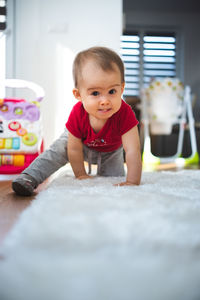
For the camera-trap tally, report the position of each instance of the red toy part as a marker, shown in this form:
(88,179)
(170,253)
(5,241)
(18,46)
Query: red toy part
(15,163)
(20,128)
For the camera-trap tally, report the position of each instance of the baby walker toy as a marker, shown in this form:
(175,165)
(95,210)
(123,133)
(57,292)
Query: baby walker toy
(164,104)
(20,128)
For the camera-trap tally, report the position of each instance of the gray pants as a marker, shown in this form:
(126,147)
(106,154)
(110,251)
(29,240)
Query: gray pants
(109,163)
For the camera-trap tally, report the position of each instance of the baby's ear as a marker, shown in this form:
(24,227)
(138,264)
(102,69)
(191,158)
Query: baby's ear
(122,88)
(76,94)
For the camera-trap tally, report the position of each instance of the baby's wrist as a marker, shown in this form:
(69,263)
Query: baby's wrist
(132,182)
(86,176)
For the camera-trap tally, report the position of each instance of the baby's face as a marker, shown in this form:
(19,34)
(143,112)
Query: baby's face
(100,91)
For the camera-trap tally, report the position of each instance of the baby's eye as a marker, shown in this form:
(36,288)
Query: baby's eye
(95,93)
(113,91)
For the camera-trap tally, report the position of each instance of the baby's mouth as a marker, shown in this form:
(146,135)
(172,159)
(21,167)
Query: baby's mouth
(104,110)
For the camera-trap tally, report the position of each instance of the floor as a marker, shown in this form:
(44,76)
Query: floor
(11,205)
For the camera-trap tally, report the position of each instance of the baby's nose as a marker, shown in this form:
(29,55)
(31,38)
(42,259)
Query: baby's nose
(104,100)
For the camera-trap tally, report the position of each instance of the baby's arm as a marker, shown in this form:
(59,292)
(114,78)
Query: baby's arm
(75,156)
(131,145)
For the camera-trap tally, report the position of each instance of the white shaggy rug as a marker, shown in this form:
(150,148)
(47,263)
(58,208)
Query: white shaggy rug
(89,240)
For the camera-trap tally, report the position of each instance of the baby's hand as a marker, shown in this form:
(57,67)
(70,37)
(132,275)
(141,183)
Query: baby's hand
(84,177)
(124,183)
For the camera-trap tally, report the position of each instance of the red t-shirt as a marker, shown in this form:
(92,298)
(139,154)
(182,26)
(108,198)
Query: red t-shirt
(109,137)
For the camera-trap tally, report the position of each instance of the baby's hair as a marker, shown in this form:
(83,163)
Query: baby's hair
(103,56)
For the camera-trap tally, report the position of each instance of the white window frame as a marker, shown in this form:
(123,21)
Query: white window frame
(2,62)
(11,40)
(8,47)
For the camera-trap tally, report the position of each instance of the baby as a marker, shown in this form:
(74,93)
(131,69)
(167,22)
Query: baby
(99,127)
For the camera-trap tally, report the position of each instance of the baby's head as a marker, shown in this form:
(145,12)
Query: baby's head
(103,57)
(99,82)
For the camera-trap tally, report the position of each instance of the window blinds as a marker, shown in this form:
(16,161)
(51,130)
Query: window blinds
(147,55)
(2,15)
(130,53)
(159,56)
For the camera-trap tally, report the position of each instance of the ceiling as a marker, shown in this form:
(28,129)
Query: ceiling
(162,6)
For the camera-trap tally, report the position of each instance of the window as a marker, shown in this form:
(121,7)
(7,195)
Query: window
(2,54)
(147,55)
(2,43)
(2,15)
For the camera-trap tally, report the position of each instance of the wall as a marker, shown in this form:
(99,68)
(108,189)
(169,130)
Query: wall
(188,25)
(47,35)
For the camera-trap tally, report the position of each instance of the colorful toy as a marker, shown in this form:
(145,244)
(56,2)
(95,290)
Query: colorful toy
(165,103)
(20,128)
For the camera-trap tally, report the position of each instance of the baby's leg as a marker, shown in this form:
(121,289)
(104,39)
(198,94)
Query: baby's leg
(112,163)
(50,160)
(42,167)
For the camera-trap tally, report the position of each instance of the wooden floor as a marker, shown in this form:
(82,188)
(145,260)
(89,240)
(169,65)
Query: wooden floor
(11,205)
